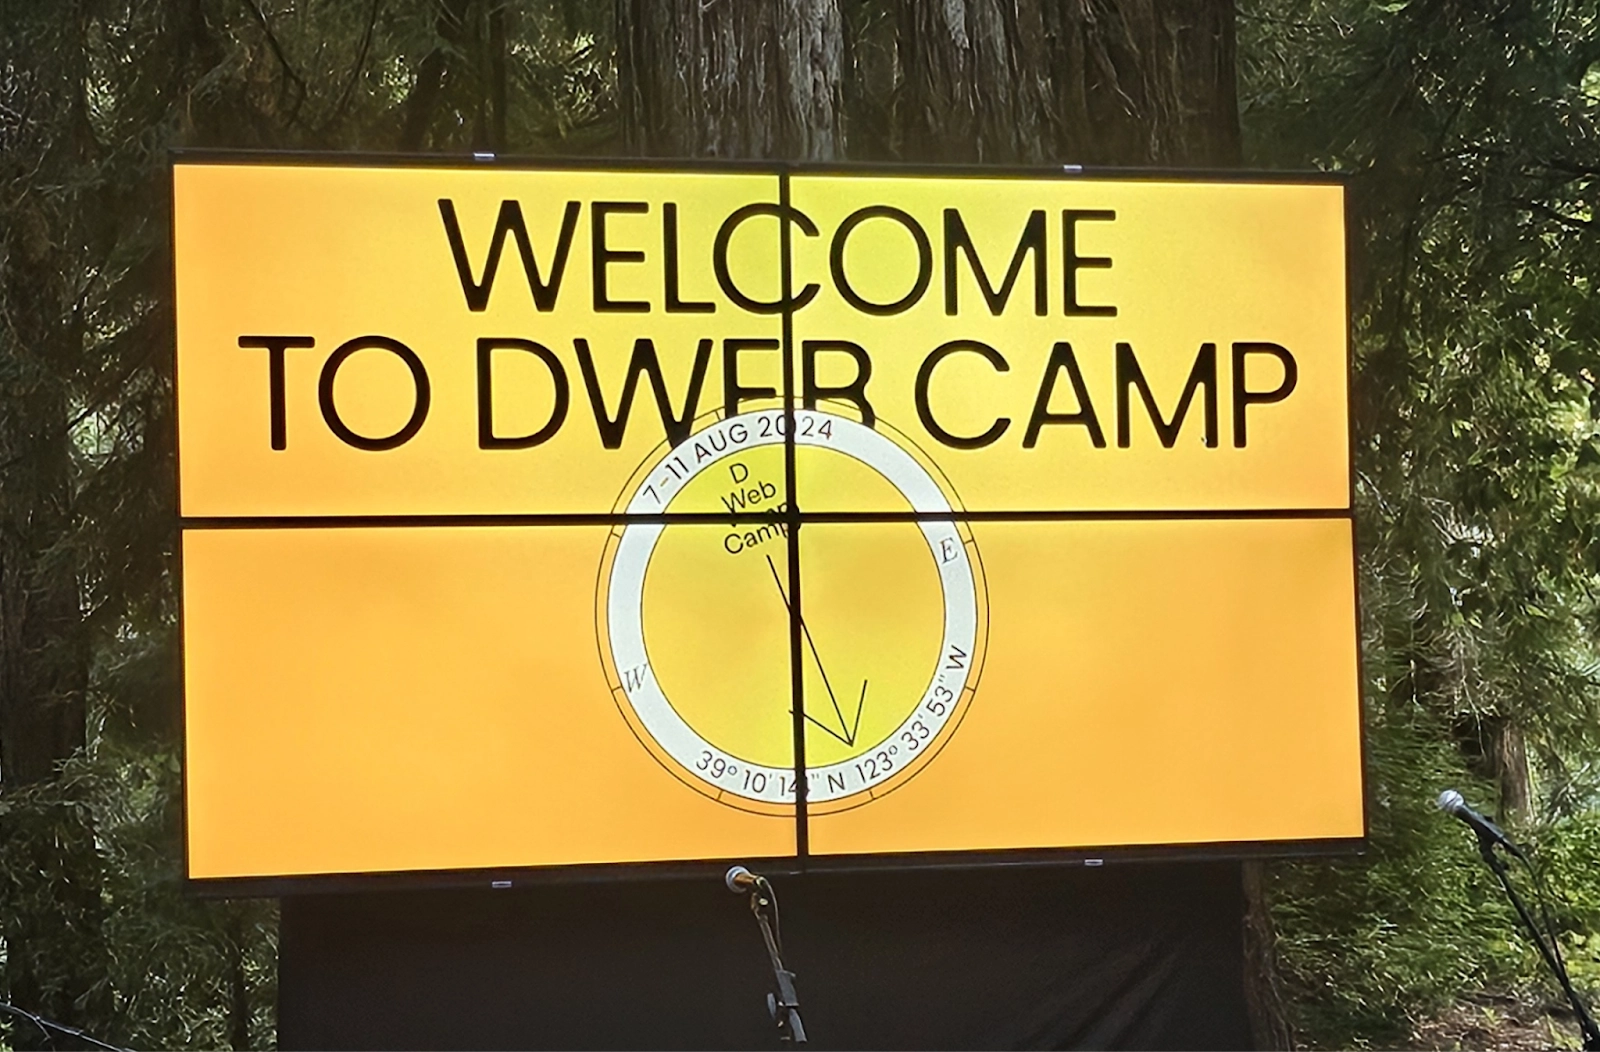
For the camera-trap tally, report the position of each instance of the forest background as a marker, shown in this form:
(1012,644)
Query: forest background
(1470,130)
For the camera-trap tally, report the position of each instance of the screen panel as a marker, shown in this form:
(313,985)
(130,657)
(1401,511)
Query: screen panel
(392,341)
(1084,344)
(530,556)
(427,698)
(1143,682)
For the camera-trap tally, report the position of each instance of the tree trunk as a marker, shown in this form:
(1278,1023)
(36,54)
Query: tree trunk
(1126,82)
(1263,986)
(420,103)
(1158,82)
(720,78)
(234,934)
(497,77)
(1508,756)
(976,80)
(1495,750)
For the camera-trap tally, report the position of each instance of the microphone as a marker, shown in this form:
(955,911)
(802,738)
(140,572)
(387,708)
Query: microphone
(1452,803)
(1489,834)
(740,880)
(784,1004)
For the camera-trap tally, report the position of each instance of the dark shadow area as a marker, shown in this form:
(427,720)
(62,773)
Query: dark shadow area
(1121,956)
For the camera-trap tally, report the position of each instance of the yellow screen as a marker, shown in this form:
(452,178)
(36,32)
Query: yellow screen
(556,517)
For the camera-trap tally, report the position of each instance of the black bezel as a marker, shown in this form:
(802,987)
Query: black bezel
(802,862)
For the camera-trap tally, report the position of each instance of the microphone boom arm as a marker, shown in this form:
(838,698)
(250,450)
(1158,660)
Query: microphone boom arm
(1552,960)
(784,1003)
(1489,837)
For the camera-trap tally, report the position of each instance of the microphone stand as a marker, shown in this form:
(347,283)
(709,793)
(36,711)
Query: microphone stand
(1551,954)
(784,1006)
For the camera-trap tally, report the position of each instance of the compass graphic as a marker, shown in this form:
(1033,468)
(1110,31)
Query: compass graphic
(694,619)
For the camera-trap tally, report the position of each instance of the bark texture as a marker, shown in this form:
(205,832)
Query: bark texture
(731,79)
(1130,82)
(452,27)
(1495,750)
(977,80)
(1508,756)
(1263,987)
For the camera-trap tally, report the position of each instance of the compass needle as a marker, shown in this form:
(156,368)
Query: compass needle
(829,730)
(861,703)
(848,736)
(779,582)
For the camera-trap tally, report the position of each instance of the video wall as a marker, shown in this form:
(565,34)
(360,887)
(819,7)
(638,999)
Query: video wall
(554,517)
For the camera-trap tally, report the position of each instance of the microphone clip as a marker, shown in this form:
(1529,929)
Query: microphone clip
(784,1008)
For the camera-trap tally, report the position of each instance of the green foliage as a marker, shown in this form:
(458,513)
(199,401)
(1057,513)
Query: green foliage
(90,881)
(1371,947)
(1471,133)
(1472,141)
(1567,852)
(97,930)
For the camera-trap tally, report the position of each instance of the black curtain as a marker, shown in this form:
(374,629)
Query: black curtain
(1132,955)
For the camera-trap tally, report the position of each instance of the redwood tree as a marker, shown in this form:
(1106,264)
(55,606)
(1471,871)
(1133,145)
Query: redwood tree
(1111,82)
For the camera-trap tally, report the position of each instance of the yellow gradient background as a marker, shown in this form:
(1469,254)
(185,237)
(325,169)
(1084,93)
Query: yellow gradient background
(422,698)
(1192,263)
(409,699)
(1145,683)
(718,633)
(335,253)
(872,604)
